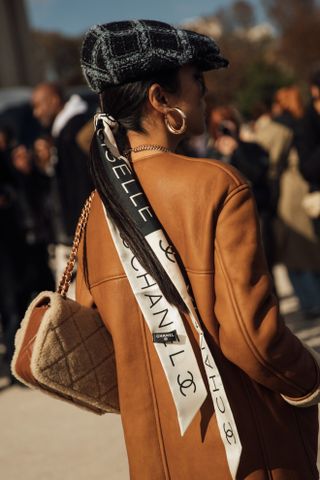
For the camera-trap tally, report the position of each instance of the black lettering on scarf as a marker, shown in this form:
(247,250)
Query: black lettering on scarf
(186,383)
(215,388)
(152,297)
(165,313)
(146,279)
(173,355)
(128,189)
(168,250)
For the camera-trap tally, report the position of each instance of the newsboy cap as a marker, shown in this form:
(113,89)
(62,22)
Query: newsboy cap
(121,52)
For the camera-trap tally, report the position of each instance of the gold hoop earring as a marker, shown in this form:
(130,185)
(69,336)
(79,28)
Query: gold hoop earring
(183,128)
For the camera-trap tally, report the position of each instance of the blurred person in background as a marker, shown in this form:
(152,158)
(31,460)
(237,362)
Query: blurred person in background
(45,155)
(310,153)
(65,119)
(7,141)
(11,245)
(32,188)
(24,236)
(249,158)
(290,112)
(45,158)
(276,139)
(84,136)
(310,148)
(298,247)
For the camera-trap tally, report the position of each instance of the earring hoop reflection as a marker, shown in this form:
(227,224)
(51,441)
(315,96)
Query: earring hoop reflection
(170,127)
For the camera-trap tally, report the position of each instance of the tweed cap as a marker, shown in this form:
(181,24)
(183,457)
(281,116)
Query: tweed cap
(121,52)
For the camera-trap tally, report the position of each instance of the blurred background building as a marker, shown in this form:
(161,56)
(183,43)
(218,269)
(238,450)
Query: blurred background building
(17,67)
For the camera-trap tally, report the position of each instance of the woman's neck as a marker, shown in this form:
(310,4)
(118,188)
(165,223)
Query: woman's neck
(157,137)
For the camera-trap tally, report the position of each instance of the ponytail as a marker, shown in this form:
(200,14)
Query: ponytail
(129,231)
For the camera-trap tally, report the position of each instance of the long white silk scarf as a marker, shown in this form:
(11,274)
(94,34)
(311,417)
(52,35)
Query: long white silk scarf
(166,325)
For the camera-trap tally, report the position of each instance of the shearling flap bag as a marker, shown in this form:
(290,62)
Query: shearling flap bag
(64,348)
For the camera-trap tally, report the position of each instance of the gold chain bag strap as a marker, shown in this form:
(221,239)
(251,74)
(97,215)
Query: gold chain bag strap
(64,348)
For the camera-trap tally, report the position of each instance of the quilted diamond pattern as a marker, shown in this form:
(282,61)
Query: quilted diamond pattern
(77,354)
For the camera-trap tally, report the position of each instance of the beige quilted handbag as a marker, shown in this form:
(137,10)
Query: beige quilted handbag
(64,349)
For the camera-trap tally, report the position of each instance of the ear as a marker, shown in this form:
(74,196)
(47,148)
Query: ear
(158,98)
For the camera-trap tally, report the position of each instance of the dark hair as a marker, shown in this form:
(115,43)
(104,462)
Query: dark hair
(126,103)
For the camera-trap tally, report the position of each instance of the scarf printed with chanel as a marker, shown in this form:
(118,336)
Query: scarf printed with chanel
(164,320)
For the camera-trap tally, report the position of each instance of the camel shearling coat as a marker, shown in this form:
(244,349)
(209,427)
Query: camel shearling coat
(209,214)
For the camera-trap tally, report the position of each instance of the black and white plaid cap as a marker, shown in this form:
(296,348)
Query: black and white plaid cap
(121,52)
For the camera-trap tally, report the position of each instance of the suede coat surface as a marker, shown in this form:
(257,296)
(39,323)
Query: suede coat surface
(210,216)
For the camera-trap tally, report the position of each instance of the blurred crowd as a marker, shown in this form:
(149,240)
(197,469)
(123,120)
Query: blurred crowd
(278,151)
(44,184)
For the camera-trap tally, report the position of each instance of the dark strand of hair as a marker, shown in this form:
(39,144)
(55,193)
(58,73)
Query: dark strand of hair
(126,103)
(129,231)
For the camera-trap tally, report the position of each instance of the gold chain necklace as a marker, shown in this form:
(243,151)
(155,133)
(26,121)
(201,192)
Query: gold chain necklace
(142,148)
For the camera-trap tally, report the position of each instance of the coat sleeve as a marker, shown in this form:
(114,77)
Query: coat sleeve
(252,334)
